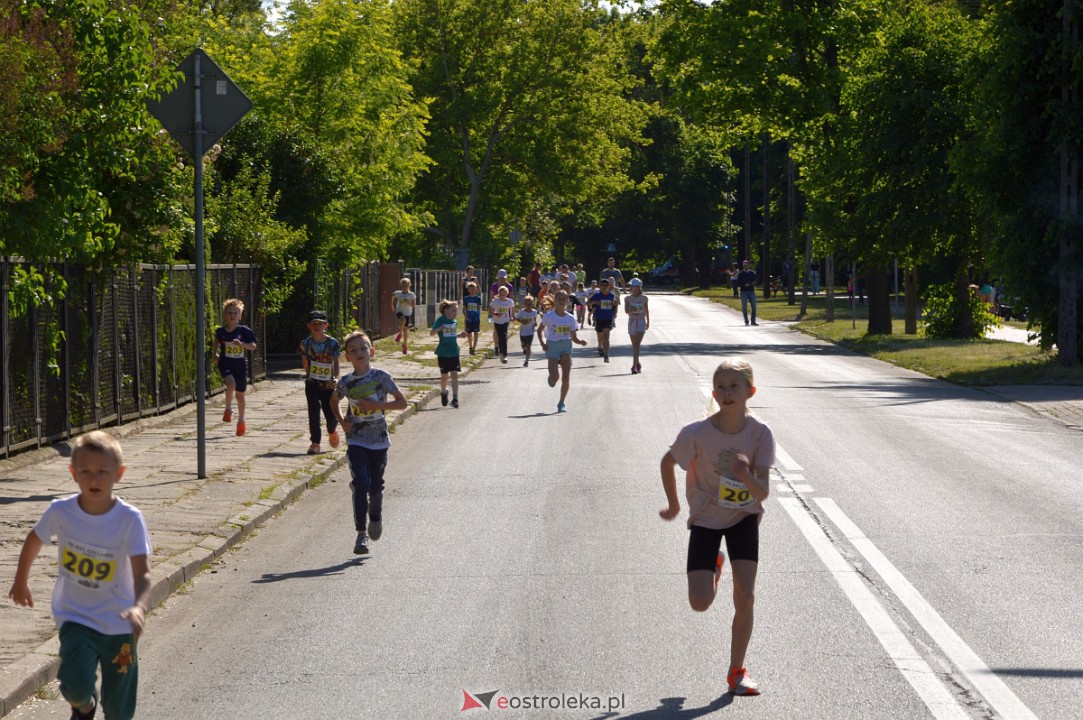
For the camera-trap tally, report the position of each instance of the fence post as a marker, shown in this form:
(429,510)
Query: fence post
(136,334)
(154,369)
(118,375)
(65,325)
(173,335)
(92,353)
(5,374)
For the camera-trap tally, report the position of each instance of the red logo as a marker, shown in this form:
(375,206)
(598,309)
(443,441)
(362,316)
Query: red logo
(477,700)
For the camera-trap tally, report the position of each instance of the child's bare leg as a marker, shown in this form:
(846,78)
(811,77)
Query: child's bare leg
(240,405)
(554,373)
(744,599)
(565,375)
(231,386)
(443,382)
(701,589)
(636,340)
(454,384)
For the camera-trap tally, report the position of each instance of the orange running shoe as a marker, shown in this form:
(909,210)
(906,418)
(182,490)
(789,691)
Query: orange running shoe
(227,415)
(741,683)
(240,428)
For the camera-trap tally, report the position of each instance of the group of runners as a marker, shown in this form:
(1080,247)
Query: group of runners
(552,309)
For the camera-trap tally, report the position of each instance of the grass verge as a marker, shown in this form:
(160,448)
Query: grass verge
(965,362)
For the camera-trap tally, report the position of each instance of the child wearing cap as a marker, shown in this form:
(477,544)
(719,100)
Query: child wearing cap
(319,358)
(639,319)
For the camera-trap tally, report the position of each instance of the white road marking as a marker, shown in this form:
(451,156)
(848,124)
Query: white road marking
(787,463)
(911,665)
(991,688)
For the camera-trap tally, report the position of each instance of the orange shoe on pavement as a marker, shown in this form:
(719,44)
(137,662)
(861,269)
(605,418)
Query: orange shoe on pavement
(741,683)
(404,350)
(333,438)
(240,428)
(227,415)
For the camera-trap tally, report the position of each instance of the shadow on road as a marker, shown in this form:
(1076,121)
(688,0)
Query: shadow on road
(1056,673)
(672,708)
(313,573)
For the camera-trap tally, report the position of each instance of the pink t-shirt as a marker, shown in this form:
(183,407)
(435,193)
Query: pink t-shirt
(717,499)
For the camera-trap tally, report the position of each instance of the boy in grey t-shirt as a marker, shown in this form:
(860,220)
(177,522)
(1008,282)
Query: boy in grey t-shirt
(367,389)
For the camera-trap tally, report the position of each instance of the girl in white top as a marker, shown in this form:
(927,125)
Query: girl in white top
(639,319)
(558,331)
(402,304)
(581,306)
(500,312)
(527,318)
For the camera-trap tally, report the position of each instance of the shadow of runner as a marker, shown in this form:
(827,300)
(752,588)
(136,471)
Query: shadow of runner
(313,573)
(672,708)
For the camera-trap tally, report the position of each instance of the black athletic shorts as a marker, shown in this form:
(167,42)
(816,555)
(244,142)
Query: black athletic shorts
(742,543)
(601,325)
(448,364)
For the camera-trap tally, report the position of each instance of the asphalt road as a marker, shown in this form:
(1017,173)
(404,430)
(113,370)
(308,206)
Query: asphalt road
(920,557)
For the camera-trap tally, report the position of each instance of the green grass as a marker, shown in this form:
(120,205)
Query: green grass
(966,362)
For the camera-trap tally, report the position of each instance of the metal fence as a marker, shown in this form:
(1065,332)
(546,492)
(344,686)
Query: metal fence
(361,298)
(120,345)
(432,286)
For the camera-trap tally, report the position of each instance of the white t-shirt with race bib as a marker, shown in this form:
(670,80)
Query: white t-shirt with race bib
(95,581)
(559,327)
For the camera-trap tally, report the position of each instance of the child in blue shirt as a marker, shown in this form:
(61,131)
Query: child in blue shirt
(472,306)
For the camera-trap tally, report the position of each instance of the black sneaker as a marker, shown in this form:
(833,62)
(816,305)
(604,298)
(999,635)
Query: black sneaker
(443,398)
(376,529)
(360,546)
(454,402)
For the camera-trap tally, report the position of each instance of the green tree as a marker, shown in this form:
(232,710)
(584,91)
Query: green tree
(84,175)
(528,111)
(338,81)
(888,187)
(1028,122)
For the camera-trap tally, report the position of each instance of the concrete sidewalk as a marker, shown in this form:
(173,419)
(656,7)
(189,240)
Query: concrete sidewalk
(191,521)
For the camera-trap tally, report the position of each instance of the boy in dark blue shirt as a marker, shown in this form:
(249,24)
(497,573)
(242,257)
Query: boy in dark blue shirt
(472,308)
(230,342)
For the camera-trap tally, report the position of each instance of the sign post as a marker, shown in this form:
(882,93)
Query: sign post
(196,114)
